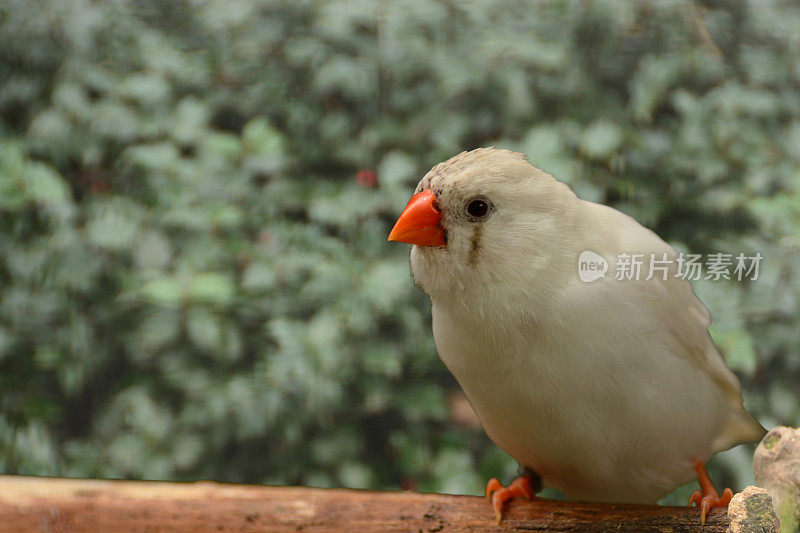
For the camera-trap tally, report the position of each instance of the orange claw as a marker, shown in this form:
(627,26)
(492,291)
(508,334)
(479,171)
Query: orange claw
(520,487)
(707,497)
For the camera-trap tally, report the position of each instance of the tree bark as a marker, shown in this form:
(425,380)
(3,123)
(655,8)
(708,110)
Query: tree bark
(77,505)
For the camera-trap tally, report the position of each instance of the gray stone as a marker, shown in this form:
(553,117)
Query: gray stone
(776,465)
(751,511)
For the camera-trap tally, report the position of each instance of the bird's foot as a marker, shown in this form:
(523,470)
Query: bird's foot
(499,495)
(707,497)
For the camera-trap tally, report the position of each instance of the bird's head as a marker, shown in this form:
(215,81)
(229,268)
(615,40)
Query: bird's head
(484,220)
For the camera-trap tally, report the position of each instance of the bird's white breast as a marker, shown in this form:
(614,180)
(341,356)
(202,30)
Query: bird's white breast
(586,395)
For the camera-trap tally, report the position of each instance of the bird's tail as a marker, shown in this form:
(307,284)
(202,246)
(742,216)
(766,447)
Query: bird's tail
(741,427)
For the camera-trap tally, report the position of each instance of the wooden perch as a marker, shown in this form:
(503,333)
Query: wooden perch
(48,504)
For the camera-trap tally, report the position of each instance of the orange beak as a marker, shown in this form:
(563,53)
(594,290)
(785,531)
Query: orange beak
(419,222)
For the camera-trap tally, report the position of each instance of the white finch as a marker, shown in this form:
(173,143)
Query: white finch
(607,390)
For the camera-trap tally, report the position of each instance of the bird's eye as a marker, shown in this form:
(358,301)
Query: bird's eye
(477,208)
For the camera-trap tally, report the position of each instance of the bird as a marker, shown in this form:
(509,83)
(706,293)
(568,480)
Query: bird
(608,388)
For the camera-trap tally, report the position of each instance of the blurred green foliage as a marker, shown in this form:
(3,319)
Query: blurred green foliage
(194,284)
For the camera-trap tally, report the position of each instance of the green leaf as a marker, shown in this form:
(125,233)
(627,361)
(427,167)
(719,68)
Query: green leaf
(113,224)
(211,287)
(737,347)
(204,329)
(162,291)
(264,146)
(601,139)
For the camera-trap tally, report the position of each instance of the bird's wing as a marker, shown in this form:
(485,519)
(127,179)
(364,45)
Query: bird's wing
(687,321)
(684,318)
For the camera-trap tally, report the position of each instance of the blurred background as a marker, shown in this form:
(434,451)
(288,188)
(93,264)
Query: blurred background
(195,196)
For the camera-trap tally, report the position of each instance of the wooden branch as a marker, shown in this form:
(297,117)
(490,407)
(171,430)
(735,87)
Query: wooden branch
(48,504)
